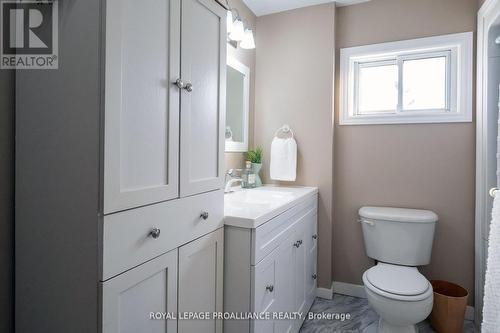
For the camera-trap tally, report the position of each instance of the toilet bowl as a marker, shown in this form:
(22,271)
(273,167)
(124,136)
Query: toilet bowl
(400,295)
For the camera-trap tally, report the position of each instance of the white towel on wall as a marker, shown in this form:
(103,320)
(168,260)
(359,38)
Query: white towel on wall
(491,307)
(284,159)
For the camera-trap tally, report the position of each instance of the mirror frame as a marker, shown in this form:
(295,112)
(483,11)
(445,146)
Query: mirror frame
(238,146)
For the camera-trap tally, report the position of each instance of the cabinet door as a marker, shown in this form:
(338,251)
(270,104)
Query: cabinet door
(203,66)
(264,292)
(285,283)
(141,149)
(300,254)
(200,281)
(129,299)
(311,245)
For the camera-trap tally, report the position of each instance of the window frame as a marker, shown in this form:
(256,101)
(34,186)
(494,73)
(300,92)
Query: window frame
(458,50)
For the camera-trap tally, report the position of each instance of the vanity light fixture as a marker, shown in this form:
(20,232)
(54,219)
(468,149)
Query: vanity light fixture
(248,42)
(236,30)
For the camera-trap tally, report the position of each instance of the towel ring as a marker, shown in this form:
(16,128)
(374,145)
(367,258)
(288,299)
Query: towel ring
(285,129)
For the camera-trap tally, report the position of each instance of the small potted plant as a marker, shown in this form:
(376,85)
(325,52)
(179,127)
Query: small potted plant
(255,156)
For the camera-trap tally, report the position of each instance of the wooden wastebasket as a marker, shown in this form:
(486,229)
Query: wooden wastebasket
(450,302)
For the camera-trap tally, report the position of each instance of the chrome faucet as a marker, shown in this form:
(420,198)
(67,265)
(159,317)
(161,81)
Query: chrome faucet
(233,179)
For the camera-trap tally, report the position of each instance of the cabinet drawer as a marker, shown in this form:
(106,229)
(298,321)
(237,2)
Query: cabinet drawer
(127,239)
(269,236)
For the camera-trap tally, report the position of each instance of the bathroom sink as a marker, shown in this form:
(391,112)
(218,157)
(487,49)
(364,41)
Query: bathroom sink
(249,208)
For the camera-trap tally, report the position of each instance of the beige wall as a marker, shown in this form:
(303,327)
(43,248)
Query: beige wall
(294,85)
(247,57)
(419,166)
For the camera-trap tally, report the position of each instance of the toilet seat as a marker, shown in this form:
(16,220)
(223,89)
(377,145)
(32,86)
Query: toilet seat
(397,282)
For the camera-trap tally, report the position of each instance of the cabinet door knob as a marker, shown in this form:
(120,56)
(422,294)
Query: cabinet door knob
(204,215)
(315,236)
(155,233)
(314,276)
(189,87)
(270,288)
(181,85)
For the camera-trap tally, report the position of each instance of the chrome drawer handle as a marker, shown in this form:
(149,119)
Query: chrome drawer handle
(270,288)
(155,233)
(314,276)
(315,236)
(204,215)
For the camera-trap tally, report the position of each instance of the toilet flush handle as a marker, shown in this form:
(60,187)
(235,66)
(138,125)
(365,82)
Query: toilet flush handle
(370,223)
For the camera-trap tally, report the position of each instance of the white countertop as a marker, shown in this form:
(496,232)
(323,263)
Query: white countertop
(249,208)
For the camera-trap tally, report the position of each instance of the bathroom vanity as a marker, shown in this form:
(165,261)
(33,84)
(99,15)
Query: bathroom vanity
(270,256)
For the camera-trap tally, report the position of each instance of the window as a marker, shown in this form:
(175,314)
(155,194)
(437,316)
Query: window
(427,80)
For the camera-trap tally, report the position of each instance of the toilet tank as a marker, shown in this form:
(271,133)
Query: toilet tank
(398,235)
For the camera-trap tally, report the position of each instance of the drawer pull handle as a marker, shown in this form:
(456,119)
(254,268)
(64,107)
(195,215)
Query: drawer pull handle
(270,288)
(204,215)
(155,233)
(314,276)
(315,236)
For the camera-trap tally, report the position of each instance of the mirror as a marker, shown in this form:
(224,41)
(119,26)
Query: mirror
(237,105)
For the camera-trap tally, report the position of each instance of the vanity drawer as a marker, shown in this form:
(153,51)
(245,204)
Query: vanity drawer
(270,235)
(127,237)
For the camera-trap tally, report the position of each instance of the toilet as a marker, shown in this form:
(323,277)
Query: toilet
(399,240)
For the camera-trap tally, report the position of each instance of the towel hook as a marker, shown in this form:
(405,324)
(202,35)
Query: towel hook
(285,129)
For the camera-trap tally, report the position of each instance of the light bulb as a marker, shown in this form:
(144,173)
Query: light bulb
(248,41)
(229,21)
(237,31)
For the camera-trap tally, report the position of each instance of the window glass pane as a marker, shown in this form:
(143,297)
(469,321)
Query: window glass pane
(378,89)
(424,84)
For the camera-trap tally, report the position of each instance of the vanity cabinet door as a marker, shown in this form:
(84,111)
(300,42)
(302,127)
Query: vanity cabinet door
(141,131)
(200,282)
(129,299)
(311,245)
(300,256)
(265,292)
(285,283)
(203,96)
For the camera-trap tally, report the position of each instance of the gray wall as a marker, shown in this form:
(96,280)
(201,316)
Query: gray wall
(294,85)
(6,198)
(57,181)
(246,57)
(428,166)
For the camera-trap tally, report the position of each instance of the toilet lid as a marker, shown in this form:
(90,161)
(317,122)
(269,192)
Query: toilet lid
(400,280)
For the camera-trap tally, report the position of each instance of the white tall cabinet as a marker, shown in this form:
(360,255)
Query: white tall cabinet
(119,188)
(158,91)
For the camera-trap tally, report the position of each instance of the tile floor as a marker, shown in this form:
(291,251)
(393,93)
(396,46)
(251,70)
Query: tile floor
(361,317)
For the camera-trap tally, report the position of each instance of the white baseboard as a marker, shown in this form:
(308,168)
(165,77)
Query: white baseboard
(356,290)
(326,293)
(349,289)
